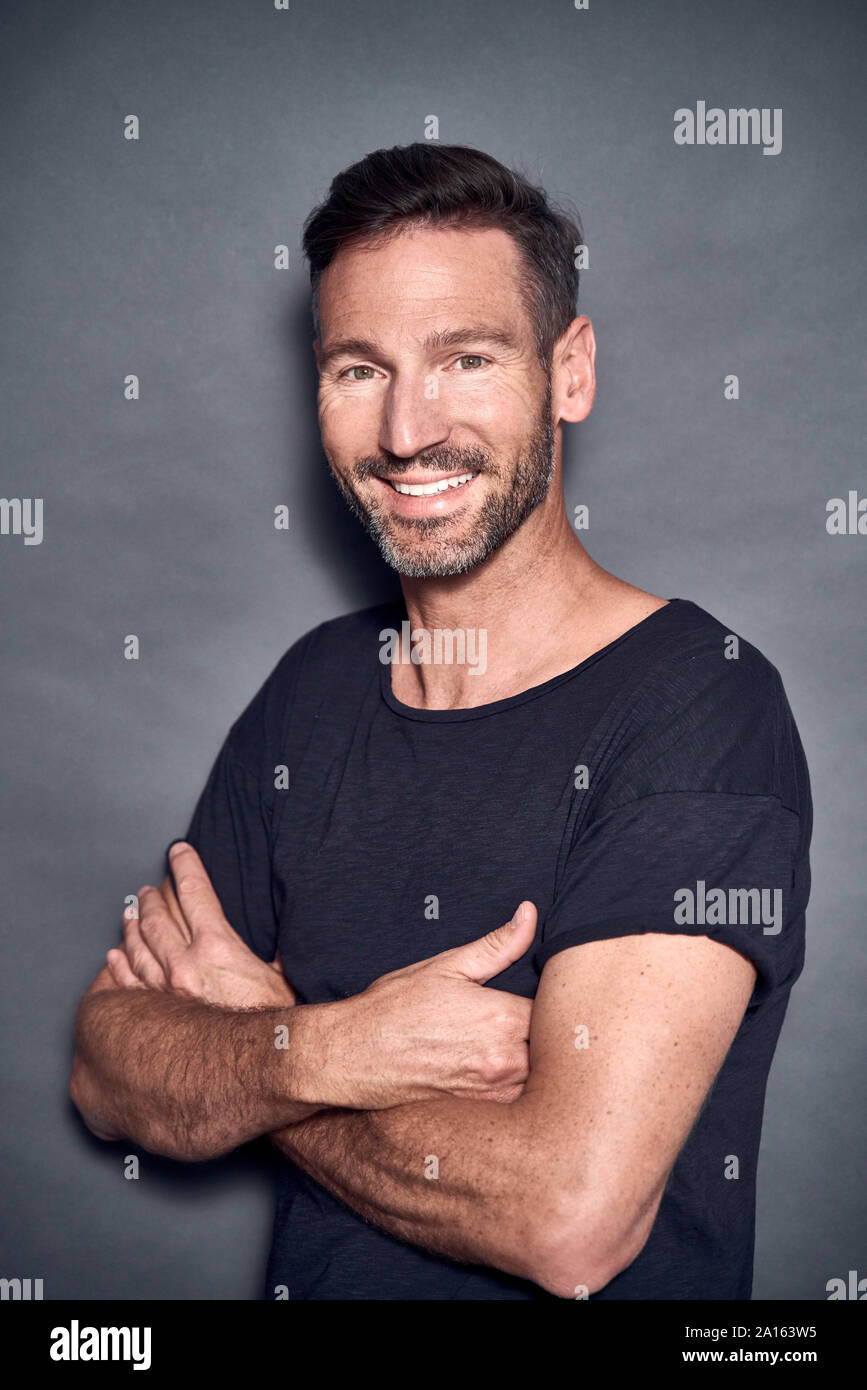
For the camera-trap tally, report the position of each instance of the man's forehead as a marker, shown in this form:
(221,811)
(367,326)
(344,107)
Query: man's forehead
(437,283)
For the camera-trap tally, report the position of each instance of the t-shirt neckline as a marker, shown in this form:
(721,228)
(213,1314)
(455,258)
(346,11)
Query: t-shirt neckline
(452,716)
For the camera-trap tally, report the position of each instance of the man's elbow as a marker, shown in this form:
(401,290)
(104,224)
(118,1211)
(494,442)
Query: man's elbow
(578,1251)
(155,1137)
(81,1095)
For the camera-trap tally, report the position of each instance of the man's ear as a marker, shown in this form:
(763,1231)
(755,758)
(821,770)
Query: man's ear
(573,372)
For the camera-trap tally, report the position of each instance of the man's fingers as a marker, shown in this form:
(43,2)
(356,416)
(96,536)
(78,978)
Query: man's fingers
(481,960)
(167,889)
(159,932)
(197,900)
(144,964)
(121,971)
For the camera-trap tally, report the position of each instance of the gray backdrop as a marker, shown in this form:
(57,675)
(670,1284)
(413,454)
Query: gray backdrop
(155,257)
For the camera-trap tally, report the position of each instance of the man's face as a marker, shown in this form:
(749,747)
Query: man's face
(434,410)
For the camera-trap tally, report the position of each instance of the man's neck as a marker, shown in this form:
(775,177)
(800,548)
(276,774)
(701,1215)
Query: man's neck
(534,609)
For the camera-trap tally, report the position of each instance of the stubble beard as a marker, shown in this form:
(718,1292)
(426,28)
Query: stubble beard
(410,545)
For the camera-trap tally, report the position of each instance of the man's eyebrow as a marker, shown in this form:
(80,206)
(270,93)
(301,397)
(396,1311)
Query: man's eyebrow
(442,338)
(476,333)
(348,347)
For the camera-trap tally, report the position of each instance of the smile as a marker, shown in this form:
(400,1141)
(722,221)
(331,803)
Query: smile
(431,489)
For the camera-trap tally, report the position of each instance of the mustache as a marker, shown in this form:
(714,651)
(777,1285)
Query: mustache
(436,461)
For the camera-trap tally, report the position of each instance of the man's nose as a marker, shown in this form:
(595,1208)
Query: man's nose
(413,418)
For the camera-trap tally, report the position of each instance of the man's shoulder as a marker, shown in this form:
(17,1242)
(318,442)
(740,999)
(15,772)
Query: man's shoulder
(335,655)
(703,708)
(334,660)
(347,644)
(698,654)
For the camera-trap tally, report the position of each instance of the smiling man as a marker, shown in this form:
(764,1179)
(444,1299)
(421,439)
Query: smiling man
(566,1105)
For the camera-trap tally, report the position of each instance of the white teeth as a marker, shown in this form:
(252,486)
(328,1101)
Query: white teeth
(429,489)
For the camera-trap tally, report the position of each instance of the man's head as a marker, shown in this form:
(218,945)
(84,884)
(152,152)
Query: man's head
(444,291)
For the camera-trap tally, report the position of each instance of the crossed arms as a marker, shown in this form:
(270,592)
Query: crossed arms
(462,1119)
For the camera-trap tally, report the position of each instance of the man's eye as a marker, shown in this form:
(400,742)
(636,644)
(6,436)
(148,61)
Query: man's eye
(358,369)
(474,359)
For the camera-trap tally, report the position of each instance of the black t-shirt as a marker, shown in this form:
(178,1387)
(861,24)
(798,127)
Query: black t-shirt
(660,764)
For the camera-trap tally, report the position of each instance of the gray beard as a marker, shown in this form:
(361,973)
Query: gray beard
(498,520)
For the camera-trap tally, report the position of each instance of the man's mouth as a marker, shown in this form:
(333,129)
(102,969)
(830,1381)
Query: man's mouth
(430,489)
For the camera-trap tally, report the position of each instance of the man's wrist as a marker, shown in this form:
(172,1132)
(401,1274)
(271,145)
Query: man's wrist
(317,1035)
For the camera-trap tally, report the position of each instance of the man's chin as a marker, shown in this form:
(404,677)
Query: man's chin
(423,562)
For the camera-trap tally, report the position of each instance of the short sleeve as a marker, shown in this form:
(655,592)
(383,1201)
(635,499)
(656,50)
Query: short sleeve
(696,820)
(705,864)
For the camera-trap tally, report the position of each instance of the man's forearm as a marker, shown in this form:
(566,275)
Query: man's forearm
(453,1176)
(187,1079)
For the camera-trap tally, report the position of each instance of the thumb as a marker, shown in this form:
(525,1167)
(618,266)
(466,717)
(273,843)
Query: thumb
(481,960)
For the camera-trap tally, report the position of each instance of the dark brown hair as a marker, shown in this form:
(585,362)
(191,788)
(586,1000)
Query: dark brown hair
(428,184)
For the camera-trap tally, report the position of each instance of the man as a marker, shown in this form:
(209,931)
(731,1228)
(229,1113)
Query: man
(525,740)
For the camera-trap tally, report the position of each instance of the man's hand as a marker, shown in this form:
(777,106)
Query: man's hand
(426,1031)
(432,1029)
(175,1038)
(185,945)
